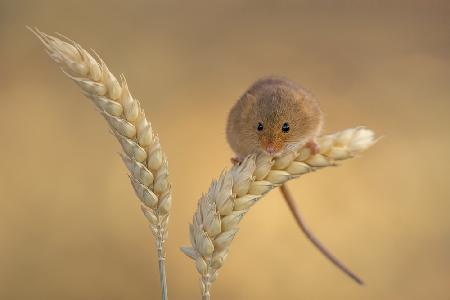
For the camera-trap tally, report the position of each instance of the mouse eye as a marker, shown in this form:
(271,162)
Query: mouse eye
(260,126)
(285,127)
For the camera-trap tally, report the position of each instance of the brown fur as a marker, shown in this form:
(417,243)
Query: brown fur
(273,101)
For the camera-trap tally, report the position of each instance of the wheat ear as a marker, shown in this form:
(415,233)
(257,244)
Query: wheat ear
(219,211)
(142,153)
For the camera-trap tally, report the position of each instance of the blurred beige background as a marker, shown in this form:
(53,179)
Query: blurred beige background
(70,226)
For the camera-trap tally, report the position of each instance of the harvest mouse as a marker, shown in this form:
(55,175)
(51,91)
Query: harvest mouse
(273,116)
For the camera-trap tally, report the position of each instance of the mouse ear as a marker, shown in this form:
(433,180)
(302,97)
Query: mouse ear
(249,97)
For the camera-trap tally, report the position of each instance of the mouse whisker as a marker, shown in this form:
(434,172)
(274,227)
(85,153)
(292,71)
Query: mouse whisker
(293,146)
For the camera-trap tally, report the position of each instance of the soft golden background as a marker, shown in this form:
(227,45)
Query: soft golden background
(70,226)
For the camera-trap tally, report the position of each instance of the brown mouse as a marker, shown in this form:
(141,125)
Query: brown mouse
(274,115)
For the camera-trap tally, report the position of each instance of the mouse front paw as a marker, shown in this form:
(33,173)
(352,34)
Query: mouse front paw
(313,146)
(235,160)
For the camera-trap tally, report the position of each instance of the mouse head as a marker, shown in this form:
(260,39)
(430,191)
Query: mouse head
(281,121)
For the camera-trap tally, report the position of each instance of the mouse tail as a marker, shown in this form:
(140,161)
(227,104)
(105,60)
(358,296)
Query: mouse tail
(301,223)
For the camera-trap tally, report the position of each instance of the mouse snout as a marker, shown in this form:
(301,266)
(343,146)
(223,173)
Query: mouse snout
(272,148)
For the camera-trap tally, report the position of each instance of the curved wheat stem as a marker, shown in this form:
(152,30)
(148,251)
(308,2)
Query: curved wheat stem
(219,211)
(142,153)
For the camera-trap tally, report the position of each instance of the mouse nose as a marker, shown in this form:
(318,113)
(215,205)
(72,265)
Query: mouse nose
(271,148)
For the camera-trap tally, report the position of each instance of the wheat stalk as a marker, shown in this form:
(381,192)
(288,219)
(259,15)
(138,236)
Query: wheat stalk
(219,211)
(142,153)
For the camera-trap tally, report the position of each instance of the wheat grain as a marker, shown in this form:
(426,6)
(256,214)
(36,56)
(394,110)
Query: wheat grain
(142,153)
(219,211)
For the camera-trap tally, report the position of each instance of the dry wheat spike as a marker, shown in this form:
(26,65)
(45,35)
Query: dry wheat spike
(141,148)
(219,211)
